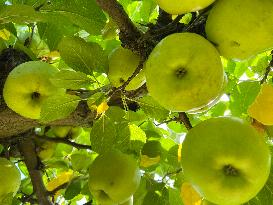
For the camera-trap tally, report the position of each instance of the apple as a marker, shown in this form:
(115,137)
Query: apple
(184,72)
(122,64)
(10,179)
(128,202)
(226,160)
(241,29)
(46,149)
(66,131)
(113,177)
(27,86)
(183,6)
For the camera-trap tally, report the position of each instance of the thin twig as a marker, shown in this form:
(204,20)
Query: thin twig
(64,141)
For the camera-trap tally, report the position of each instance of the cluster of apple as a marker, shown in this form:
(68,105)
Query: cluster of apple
(225,159)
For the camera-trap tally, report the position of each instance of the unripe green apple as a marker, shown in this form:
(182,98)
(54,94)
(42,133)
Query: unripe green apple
(241,29)
(122,64)
(46,149)
(10,179)
(27,86)
(128,202)
(226,160)
(183,6)
(184,72)
(113,177)
(66,131)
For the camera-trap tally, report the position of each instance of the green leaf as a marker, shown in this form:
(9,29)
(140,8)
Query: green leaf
(242,96)
(54,29)
(81,55)
(58,107)
(103,135)
(174,197)
(19,14)
(70,79)
(73,189)
(153,109)
(85,14)
(81,160)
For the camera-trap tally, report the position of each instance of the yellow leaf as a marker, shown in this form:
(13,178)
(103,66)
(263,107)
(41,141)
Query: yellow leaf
(262,107)
(4,34)
(62,178)
(189,195)
(179,152)
(102,108)
(146,161)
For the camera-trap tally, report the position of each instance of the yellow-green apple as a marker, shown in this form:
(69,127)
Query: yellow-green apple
(113,177)
(10,179)
(27,86)
(122,64)
(241,29)
(183,6)
(184,72)
(226,160)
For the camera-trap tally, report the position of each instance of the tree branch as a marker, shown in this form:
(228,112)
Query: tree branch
(129,34)
(12,124)
(183,118)
(27,148)
(64,141)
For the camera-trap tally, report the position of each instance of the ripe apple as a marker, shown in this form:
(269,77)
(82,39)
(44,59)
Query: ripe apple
(113,177)
(184,72)
(27,86)
(241,28)
(10,179)
(122,64)
(226,160)
(183,6)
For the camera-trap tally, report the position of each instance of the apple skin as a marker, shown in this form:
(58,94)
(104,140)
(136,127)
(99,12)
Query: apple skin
(64,131)
(10,178)
(113,177)
(241,28)
(183,6)
(129,202)
(122,64)
(226,160)
(27,86)
(184,72)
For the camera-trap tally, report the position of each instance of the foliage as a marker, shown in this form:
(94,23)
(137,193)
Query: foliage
(76,36)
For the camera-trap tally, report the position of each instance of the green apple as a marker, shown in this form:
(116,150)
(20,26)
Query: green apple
(122,64)
(226,160)
(183,6)
(10,179)
(241,29)
(66,131)
(128,202)
(113,177)
(46,149)
(184,72)
(27,86)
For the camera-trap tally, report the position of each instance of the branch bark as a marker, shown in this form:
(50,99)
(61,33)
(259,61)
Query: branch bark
(27,148)
(12,124)
(129,34)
